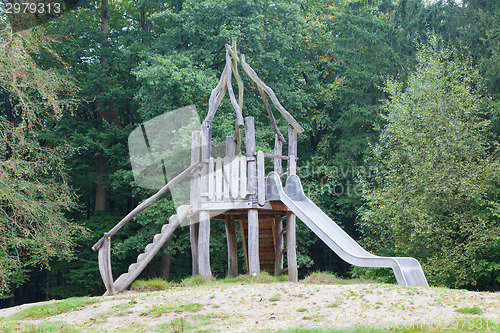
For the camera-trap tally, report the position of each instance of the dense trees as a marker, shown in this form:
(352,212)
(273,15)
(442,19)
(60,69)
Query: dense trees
(328,61)
(34,189)
(431,195)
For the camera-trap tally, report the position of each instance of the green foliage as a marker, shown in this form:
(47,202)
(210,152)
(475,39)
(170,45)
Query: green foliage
(34,189)
(326,62)
(430,195)
(150,285)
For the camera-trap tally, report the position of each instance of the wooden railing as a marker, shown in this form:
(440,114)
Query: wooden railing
(146,203)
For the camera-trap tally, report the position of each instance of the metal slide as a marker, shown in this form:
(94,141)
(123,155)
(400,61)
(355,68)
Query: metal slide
(407,270)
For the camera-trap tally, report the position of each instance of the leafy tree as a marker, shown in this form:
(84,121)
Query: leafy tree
(430,198)
(34,190)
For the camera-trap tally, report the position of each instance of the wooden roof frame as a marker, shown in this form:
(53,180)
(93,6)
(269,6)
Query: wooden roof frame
(231,67)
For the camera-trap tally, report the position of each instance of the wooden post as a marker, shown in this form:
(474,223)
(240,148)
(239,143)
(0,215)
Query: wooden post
(206,152)
(278,241)
(261,179)
(204,216)
(104,257)
(230,146)
(278,221)
(253,214)
(195,198)
(204,246)
(251,158)
(253,242)
(193,233)
(290,218)
(278,150)
(228,179)
(244,243)
(232,248)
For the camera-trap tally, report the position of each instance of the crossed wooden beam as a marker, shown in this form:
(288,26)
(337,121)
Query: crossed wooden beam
(232,61)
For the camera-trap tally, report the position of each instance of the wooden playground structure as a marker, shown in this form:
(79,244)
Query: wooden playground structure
(231,188)
(235,188)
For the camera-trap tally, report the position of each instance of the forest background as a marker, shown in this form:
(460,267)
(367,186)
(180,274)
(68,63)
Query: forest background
(399,100)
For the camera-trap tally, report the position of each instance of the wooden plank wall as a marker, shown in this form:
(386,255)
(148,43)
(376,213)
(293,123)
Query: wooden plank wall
(266,243)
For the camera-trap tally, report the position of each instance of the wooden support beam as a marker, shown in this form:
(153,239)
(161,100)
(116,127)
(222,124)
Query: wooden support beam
(271,115)
(206,152)
(204,246)
(251,157)
(194,198)
(194,193)
(230,91)
(234,65)
(237,75)
(278,241)
(251,73)
(194,228)
(291,218)
(232,247)
(204,216)
(217,94)
(104,258)
(253,242)
(238,136)
(244,243)
(148,202)
(230,146)
(291,244)
(253,214)
(278,150)
(261,180)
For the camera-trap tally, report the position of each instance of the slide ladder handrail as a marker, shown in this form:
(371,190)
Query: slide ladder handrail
(103,245)
(146,203)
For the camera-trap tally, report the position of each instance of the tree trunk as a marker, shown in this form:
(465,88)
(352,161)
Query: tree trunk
(100,192)
(166,260)
(104,30)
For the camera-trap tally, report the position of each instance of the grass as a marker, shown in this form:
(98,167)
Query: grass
(54,308)
(157,311)
(193,281)
(190,323)
(274,298)
(475,310)
(150,285)
(333,305)
(45,327)
(329,278)
(263,277)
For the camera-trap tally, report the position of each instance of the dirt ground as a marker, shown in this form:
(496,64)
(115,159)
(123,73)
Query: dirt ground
(276,306)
